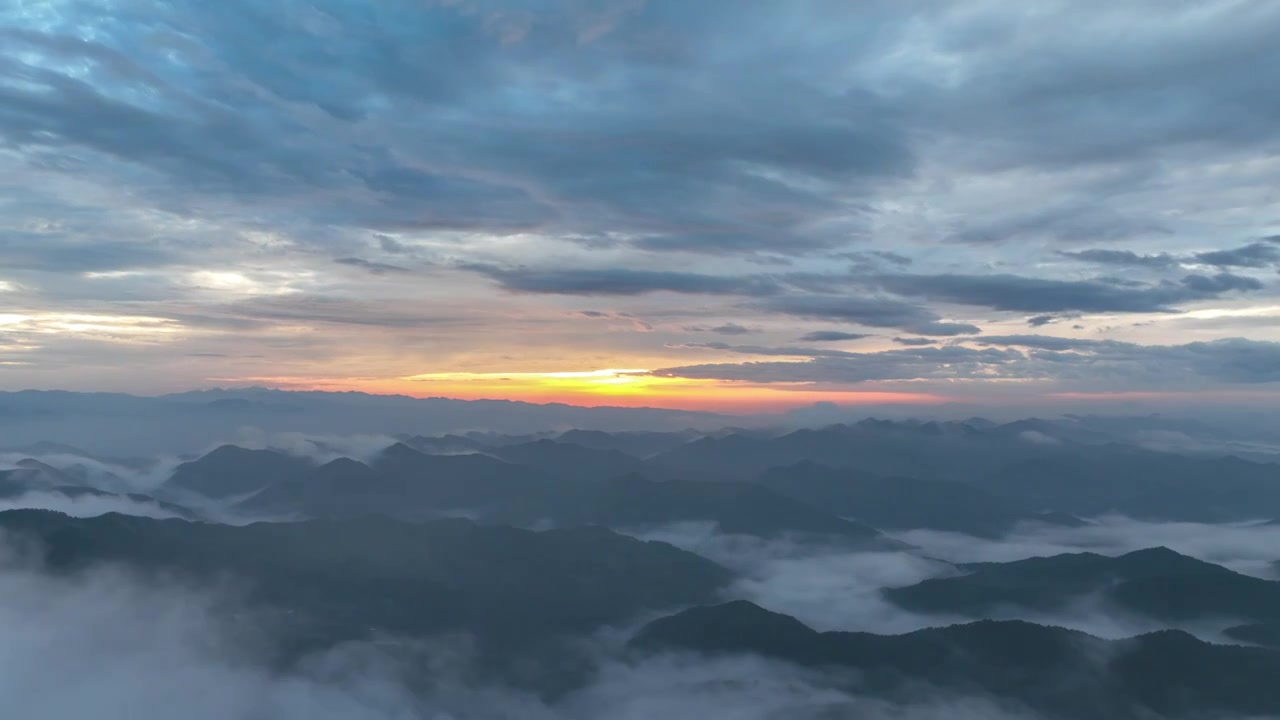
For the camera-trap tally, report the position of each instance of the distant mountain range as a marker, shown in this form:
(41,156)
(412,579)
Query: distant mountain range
(128,425)
(557,489)
(119,424)
(978,478)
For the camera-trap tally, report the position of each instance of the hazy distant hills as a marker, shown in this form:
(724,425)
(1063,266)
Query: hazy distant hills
(231,470)
(402,482)
(1060,673)
(974,477)
(896,503)
(893,476)
(1156,582)
(128,424)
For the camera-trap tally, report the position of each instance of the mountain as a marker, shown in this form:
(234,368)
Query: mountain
(737,508)
(567,460)
(1142,484)
(443,445)
(636,444)
(1264,634)
(31,474)
(1157,582)
(407,484)
(1031,465)
(185,422)
(1060,673)
(35,477)
(401,482)
(231,470)
(345,579)
(900,503)
(945,451)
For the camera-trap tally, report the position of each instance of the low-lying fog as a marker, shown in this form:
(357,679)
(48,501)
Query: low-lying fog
(125,647)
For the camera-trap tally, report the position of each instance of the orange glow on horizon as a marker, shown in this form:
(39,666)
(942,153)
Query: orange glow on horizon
(597,388)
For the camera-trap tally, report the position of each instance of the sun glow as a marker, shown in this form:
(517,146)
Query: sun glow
(608,387)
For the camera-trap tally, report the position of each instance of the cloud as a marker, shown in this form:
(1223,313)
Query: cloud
(833,589)
(618,281)
(831,336)
(914,342)
(1254,255)
(827,588)
(376,268)
(390,245)
(87,505)
(1047,342)
(1126,258)
(1064,362)
(1244,547)
(730,329)
(59,255)
(1032,294)
(767,350)
(1049,319)
(840,367)
(576,149)
(333,310)
(867,310)
(1065,223)
(1220,283)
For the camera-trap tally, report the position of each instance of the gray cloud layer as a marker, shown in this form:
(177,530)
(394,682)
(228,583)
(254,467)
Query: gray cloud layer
(257,174)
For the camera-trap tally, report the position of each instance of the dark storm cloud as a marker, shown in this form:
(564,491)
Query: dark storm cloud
(1041,295)
(619,281)
(832,336)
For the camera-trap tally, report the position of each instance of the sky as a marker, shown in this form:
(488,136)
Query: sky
(711,205)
